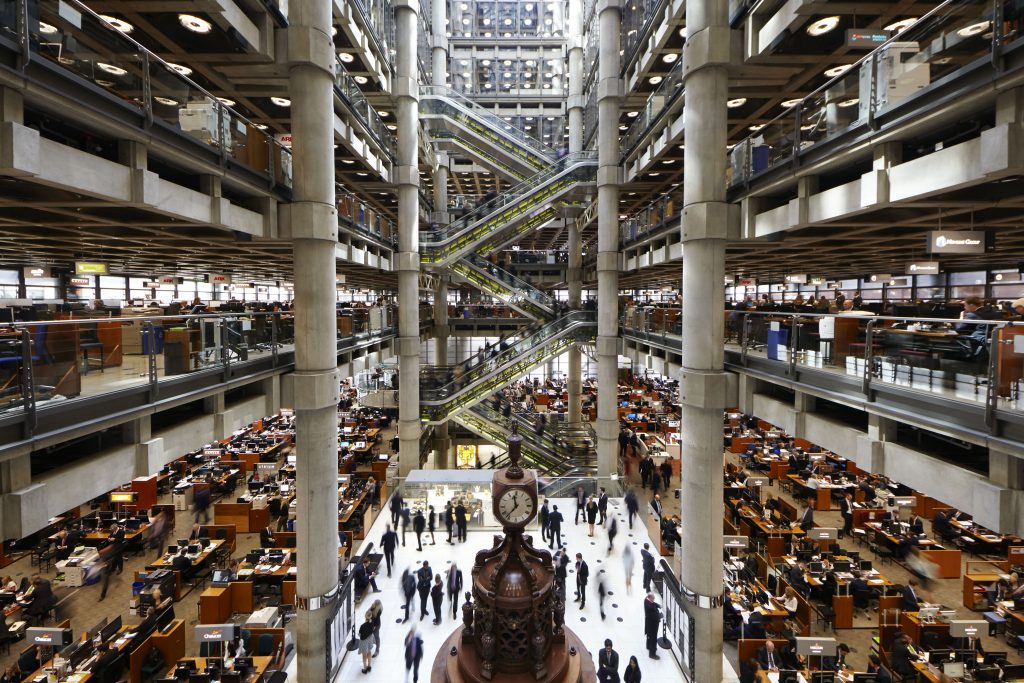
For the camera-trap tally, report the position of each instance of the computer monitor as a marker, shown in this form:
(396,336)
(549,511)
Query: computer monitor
(865,565)
(95,630)
(112,627)
(937,656)
(204,541)
(1013,672)
(994,657)
(214,663)
(243,663)
(815,568)
(164,618)
(787,676)
(864,677)
(182,542)
(954,669)
(194,548)
(843,566)
(231,677)
(823,677)
(253,557)
(172,550)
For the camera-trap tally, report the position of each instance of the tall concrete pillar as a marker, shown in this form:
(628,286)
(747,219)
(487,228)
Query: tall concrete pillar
(704,225)
(406,91)
(609,92)
(574,107)
(314,223)
(439,42)
(442,444)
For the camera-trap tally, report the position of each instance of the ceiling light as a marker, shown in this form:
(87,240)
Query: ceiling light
(668,161)
(632,114)
(670,57)
(105,83)
(809,126)
(361,80)
(347,161)
(194,23)
(334,31)
(738,102)
(973,29)
(346,57)
(119,24)
(179,69)
(654,175)
(850,102)
(226,102)
(47,29)
(654,80)
(111,69)
(791,103)
(757,126)
(837,70)
(486,62)
(823,26)
(623,127)
(281,101)
(682,32)
(900,25)
(361,174)
(166,100)
(261,126)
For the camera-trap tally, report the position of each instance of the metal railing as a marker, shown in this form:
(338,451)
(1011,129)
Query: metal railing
(161,91)
(951,37)
(350,91)
(45,363)
(658,102)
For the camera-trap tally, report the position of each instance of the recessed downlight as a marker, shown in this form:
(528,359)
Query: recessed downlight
(111,69)
(47,29)
(346,57)
(850,102)
(670,58)
(194,23)
(226,102)
(166,100)
(791,103)
(901,25)
(756,127)
(838,70)
(737,102)
(654,80)
(179,69)
(973,29)
(361,80)
(822,26)
(281,101)
(120,24)
(632,114)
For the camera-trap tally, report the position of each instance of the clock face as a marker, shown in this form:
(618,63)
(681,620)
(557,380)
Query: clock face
(515,506)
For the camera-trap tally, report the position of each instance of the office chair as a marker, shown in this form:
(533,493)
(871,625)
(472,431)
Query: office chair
(264,645)
(275,677)
(89,341)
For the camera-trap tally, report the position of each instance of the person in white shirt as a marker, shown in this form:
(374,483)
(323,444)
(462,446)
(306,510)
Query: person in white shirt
(790,601)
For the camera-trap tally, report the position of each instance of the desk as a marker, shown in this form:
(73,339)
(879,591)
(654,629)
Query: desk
(259,664)
(945,560)
(975,599)
(915,628)
(821,498)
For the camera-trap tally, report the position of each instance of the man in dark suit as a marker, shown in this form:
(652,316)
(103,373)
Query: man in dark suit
(395,506)
(454,588)
(837,663)
(582,576)
(656,506)
(902,657)
(554,527)
(461,521)
(363,577)
(652,618)
(388,543)
(909,603)
(117,540)
(875,667)
(846,510)
(581,504)
(544,513)
(768,657)
(424,579)
(807,518)
(608,664)
(266,537)
(647,562)
(916,525)
(602,505)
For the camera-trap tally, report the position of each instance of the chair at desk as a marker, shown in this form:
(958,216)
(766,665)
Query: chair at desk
(43,555)
(39,352)
(878,547)
(967,545)
(264,645)
(154,663)
(89,341)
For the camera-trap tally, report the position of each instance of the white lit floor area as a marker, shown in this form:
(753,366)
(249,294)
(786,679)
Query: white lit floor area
(624,612)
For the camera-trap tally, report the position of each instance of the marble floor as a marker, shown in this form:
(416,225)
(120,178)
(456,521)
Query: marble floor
(624,612)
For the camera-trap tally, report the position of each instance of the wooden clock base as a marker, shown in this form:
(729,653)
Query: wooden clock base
(561,667)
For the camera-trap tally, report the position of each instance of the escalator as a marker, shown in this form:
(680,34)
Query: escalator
(527,206)
(450,391)
(448,141)
(549,452)
(480,127)
(503,285)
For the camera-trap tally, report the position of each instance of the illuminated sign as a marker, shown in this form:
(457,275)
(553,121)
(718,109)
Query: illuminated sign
(923,268)
(80,282)
(169,280)
(796,279)
(36,271)
(219,279)
(861,38)
(957,241)
(214,633)
(122,497)
(89,268)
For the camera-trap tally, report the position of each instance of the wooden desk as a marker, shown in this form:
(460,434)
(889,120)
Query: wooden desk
(915,628)
(259,664)
(170,643)
(973,580)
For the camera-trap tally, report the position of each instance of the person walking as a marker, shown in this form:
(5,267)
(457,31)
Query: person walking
(846,510)
(396,509)
(582,575)
(647,560)
(424,575)
(554,527)
(608,664)
(652,618)
(406,518)
(561,562)
(656,507)
(581,503)
(409,590)
(646,467)
(602,590)
(431,523)
(591,515)
(623,442)
(544,513)
(454,588)
(376,609)
(419,525)
(632,506)
(437,597)
(461,521)
(413,654)
(632,672)
(602,505)
(449,519)
(366,641)
(666,474)
(655,480)
(201,505)
(613,529)
(627,567)
(388,542)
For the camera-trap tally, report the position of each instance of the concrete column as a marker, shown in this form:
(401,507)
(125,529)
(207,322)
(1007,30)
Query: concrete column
(271,395)
(609,92)
(12,106)
(138,430)
(16,473)
(442,444)
(575,103)
(213,404)
(316,385)
(574,107)
(704,232)
(405,88)
(441,216)
(439,42)
(1005,468)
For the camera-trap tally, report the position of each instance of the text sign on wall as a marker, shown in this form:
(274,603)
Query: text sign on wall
(956,242)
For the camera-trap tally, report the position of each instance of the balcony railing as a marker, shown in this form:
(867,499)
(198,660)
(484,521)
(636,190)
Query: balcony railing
(103,56)
(954,36)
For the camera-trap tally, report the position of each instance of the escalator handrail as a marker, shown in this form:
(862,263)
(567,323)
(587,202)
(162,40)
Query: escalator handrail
(511,281)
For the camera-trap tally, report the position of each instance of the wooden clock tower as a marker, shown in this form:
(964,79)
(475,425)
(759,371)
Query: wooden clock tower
(513,631)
